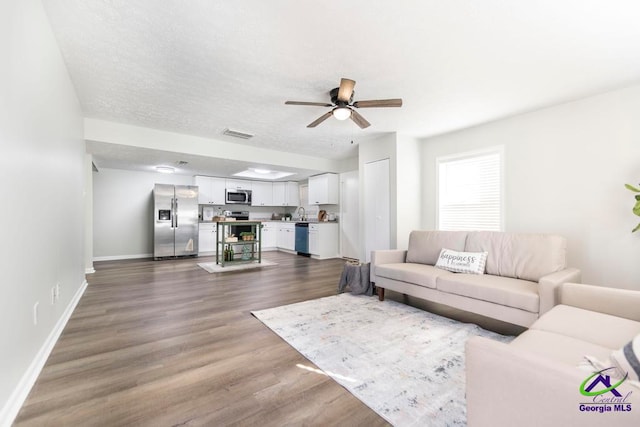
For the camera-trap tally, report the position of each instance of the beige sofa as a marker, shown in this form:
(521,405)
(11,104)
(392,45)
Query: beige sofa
(535,380)
(523,272)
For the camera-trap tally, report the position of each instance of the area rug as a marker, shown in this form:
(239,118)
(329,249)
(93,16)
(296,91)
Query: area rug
(404,363)
(212,267)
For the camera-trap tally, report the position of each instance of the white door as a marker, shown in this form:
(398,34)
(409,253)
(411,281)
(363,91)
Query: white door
(349,215)
(377,225)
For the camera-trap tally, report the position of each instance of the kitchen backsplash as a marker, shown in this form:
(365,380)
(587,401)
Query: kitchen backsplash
(263,213)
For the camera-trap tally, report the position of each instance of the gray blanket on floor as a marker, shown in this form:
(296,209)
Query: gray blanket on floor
(357,278)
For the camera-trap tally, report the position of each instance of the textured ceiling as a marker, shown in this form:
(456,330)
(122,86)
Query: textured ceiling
(200,66)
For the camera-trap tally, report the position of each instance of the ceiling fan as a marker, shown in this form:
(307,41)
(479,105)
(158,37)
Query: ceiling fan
(343,105)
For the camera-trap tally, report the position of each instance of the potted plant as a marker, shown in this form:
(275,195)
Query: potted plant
(247,235)
(636,208)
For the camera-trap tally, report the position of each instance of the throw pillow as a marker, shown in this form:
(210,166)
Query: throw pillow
(462,262)
(627,359)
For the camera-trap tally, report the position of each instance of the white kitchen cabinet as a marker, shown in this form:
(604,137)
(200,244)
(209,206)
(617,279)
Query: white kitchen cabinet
(211,191)
(269,235)
(239,184)
(293,193)
(314,245)
(324,189)
(207,238)
(286,194)
(261,193)
(286,238)
(324,240)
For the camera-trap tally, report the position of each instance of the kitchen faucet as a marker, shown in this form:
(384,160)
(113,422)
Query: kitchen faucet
(303,213)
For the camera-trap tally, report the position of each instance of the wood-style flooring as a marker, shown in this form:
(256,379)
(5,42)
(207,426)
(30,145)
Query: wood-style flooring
(164,343)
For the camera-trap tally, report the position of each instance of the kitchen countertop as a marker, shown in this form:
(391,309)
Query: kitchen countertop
(238,221)
(272,220)
(306,221)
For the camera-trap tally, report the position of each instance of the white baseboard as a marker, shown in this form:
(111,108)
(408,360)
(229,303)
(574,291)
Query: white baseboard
(89,270)
(117,257)
(19,395)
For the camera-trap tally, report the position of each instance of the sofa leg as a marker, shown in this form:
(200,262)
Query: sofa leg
(380,293)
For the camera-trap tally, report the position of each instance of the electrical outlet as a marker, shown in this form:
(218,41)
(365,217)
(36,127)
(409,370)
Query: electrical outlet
(35,313)
(57,291)
(53,295)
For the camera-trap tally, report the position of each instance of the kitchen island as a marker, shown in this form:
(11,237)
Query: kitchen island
(234,246)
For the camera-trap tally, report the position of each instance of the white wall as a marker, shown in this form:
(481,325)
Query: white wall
(123,209)
(408,191)
(42,175)
(565,167)
(88,214)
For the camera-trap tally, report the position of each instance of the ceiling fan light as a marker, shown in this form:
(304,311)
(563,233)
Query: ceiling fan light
(341,113)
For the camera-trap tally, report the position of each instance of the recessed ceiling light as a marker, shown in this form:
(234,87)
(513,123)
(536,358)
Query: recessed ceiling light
(260,173)
(165,169)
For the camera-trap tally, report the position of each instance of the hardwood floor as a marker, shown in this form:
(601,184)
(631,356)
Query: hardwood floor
(164,343)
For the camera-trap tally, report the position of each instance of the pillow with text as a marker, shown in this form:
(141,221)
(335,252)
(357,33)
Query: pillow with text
(462,262)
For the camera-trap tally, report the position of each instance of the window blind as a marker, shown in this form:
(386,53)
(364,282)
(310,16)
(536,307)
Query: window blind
(469,192)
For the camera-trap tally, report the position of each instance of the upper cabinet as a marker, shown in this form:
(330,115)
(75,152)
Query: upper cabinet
(286,194)
(239,184)
(261,193)
(324,189)
(211,191)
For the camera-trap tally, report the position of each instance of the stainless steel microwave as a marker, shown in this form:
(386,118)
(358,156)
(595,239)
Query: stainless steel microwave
(238,197)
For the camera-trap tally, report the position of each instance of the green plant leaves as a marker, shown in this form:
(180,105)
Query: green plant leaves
(636,208)
(632,188)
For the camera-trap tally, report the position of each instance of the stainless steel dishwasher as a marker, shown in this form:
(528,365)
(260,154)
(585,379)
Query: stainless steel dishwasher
(302,238)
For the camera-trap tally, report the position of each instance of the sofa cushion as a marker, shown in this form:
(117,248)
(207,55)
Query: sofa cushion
(518,255)
(419,274)
(505,291)
(425,246)
(602,329)
(558,347)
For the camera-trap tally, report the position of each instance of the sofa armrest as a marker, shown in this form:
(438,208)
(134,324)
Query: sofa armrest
(616,302)
(386,256)
(549,287)
(509,386)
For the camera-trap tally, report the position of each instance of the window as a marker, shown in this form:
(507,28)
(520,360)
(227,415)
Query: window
(470,191)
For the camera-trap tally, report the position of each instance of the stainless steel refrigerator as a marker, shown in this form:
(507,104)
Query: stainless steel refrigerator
(175,219)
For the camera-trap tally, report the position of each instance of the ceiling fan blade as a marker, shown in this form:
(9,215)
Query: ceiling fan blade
(319,120)
(346,90)
(378,103)
(359,120)
(316,104)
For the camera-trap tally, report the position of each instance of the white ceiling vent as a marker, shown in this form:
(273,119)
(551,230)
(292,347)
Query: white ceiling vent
(237,134)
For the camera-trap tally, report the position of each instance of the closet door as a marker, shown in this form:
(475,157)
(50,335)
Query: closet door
(377,226)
